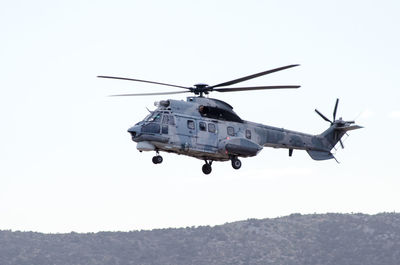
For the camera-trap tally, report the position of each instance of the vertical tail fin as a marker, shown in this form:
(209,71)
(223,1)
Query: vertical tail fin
(332,135)
(335,132)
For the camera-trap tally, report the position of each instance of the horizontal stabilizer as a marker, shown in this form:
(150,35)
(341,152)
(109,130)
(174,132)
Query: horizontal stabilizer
(320,155)
(349,128)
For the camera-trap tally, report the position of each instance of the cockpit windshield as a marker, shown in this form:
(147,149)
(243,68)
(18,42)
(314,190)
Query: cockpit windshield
(153,117)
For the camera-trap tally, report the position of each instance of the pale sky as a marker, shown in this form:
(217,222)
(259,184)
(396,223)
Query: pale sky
(68,164)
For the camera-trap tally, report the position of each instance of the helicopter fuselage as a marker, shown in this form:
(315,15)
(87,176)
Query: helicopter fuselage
(208,129)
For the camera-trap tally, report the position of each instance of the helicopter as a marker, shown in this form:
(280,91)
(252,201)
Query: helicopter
(208,129)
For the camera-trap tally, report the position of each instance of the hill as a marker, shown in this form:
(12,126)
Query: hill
(340,239)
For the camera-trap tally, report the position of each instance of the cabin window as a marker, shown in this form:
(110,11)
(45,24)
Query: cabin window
(248,134)
(211,128)
(230,130)
(202,126)
(190,124)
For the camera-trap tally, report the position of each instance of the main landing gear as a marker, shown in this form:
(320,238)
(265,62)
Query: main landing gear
(207,167)
(236,163)
(157,159)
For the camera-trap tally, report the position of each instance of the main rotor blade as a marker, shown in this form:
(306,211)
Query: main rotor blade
(234,89)
(323,117)
(150,94)
(335,109)
(144,81)
(254,76)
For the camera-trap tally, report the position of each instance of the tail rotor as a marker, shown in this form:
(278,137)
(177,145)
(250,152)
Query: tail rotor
(334,113)
(340,126)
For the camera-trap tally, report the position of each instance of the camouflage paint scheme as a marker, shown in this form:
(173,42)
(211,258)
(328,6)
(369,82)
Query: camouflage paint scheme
(186,128)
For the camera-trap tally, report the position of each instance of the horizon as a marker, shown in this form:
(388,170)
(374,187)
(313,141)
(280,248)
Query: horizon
(199,226)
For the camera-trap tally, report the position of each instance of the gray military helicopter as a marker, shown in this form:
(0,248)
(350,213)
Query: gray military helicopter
(209,129)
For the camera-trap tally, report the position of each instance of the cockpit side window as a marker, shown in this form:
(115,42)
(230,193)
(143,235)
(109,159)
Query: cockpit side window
(165,119)
(171,120)
(168,119)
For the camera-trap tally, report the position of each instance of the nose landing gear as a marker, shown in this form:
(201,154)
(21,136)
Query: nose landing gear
(157,159)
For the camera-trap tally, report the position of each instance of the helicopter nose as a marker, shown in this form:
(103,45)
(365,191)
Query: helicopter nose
(134,131)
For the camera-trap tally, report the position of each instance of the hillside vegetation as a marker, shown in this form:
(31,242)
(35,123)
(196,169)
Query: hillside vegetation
(337,239)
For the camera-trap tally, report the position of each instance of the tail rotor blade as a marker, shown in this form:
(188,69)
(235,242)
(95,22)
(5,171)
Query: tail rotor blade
(335,109)
(341,143)
(322,116)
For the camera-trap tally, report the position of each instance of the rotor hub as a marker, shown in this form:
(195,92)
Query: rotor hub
(201,85)
(201,88)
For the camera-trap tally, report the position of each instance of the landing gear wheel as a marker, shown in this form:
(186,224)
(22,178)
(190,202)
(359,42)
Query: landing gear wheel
(206,169)
(236,163)
(157,159)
